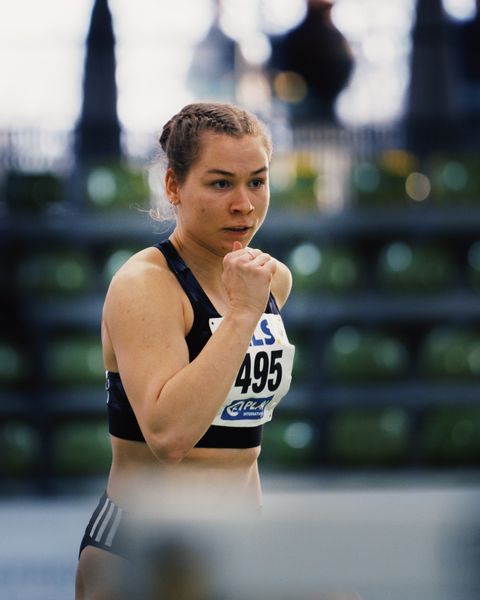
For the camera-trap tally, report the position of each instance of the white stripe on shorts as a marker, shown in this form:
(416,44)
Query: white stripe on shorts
(99,518)
(114,527)
(106,521)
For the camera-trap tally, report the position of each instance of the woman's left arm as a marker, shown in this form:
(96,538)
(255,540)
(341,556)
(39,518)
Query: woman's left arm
(281,284)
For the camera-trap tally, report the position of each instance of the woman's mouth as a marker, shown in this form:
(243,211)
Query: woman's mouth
(238,229)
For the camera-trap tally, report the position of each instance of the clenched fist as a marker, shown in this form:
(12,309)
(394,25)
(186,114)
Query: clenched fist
(247,276)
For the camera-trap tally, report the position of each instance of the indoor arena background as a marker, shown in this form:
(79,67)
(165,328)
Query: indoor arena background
(370,467)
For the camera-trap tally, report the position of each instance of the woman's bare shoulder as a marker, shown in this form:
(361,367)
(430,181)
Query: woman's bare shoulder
(145,266)
(141,263)
(144,276)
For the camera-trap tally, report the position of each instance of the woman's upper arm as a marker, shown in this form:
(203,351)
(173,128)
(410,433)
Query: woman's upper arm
(144,317)
(281,284)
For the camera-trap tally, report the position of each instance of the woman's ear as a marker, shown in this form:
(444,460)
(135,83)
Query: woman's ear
(172,187)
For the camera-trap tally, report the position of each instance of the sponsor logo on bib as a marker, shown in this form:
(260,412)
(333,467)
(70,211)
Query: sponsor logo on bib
(252,408)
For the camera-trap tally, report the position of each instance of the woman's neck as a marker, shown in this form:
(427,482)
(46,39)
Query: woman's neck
(204,264)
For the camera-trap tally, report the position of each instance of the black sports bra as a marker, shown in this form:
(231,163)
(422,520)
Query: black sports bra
(241,419)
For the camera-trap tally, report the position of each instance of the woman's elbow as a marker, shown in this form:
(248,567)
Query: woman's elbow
(167,451)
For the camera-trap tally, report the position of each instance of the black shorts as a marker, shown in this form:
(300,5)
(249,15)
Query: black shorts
(108,529)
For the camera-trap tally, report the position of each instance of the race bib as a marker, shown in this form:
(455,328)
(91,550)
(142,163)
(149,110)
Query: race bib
(264,376)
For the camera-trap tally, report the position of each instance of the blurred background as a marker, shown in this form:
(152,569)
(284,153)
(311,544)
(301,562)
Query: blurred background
(374,109)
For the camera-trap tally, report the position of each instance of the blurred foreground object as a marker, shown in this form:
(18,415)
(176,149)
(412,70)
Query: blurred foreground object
(308,544)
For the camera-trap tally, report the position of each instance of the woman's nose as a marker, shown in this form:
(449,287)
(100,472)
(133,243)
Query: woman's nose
(241,201)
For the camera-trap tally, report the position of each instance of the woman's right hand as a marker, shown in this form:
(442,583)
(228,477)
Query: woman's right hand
(247,277)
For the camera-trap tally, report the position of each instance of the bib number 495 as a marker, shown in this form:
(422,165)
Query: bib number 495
(266,371)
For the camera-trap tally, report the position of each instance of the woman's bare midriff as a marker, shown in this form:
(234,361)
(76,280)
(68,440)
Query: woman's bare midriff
(219,476)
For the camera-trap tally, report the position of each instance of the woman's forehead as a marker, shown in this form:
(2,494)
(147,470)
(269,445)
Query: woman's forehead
(220,149)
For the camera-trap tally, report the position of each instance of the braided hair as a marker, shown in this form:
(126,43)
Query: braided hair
(181,135)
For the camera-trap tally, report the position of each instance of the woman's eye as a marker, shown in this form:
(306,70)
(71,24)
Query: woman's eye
(257,183)
(221,184)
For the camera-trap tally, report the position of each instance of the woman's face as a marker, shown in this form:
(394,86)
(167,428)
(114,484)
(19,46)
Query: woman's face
(226,193)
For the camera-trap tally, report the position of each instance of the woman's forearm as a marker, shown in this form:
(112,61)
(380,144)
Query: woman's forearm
(188,403)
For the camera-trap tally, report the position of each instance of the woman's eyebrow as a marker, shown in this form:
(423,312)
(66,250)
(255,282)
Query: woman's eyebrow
(229,174)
